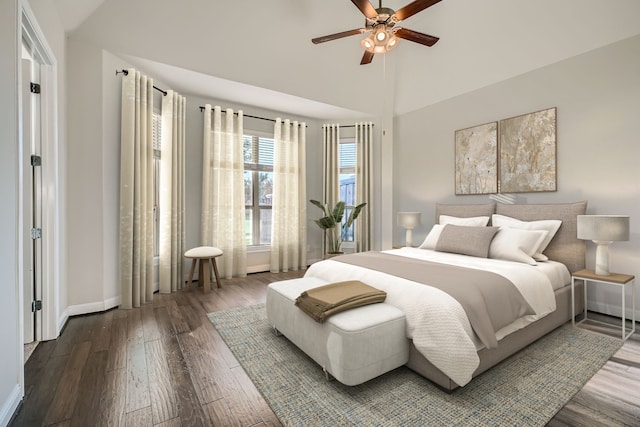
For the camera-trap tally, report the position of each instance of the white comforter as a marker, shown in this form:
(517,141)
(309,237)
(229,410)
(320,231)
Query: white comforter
(436,322)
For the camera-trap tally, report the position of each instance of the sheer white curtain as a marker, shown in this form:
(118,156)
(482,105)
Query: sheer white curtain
(172,231)
(364,186)
(136,195)
(289,210)
(331,167)
(223,216)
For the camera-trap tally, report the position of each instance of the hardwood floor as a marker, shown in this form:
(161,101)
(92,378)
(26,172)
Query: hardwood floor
(164,364)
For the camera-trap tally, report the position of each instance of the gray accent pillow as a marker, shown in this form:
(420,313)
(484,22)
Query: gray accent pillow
(466,240)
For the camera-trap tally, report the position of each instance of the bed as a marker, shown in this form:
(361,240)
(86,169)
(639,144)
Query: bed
(445,347)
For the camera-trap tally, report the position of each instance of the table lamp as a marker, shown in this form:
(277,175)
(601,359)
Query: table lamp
(603,230)
(409,221)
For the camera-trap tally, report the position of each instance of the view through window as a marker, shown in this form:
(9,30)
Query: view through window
(156,133)
(347,160)
(258,188)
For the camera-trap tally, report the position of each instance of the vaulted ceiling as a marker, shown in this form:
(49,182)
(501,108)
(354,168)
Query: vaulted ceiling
(260,52)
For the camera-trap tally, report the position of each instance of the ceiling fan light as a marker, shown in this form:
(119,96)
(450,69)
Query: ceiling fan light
(393,42)
(381,35)
(368,43)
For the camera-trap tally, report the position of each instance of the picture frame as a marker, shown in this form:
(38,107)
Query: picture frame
(527,147)
(476,154)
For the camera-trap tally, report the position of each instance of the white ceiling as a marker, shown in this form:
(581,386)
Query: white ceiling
(260,53)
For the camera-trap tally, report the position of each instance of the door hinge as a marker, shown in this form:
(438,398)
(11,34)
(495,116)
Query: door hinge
(36,160)
(36,233)
(36,305)
(35,87)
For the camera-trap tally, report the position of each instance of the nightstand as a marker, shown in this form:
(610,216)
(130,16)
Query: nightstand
(617,279)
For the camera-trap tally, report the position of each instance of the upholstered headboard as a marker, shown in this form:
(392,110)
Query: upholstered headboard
(565,246)
(464,211)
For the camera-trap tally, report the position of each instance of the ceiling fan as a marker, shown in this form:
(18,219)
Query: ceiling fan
(382,34)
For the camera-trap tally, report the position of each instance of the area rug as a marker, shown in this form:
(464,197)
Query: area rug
(525,390)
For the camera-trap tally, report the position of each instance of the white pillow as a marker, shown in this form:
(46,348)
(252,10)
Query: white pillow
(474,221)
(432,238)
(551,226)
(513,244)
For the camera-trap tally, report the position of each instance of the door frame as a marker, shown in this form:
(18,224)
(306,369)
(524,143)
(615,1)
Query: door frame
(52,248)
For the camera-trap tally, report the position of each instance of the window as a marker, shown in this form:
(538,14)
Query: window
(347,165)
(156,135)
(258,188)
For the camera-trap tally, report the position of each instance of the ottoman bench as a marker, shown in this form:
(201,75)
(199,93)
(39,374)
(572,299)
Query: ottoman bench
(353,346)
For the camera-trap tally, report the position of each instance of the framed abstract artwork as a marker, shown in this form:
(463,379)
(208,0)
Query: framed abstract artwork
(476,154)
(528,152)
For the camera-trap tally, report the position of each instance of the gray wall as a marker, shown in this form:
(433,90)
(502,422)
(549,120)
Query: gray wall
(93,174)
(597,96)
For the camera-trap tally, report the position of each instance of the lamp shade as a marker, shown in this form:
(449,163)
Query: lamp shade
(606,228)
(409,219)
(603,229)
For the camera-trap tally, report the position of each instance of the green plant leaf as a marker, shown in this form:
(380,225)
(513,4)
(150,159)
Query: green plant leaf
(338,211)
(354,214)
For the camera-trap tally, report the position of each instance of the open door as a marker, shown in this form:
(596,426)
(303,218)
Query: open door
(32,199)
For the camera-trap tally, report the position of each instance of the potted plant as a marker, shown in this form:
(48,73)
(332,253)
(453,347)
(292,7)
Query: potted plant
(331,223)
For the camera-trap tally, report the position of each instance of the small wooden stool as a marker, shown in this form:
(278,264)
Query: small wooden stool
(204,254)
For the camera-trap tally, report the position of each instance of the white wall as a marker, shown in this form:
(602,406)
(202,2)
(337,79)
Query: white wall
(10,335)
(597,96)
(85,175)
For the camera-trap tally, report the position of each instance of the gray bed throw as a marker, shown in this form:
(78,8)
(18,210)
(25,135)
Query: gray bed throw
(490,300)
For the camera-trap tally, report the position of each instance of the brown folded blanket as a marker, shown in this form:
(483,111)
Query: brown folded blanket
(321,302)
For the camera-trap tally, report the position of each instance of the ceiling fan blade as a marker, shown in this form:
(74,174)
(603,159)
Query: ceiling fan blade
(413,8)
(336,36)
(366,8)
(367,57)
(416,37)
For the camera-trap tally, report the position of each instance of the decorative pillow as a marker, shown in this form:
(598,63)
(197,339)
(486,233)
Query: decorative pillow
(474,221)
(514,244)
(432,238)
(565,247)
(466,240)
(551,226)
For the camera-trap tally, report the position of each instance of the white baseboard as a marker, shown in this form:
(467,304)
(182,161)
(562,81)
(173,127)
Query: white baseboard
(92,307)
(258,268)
(62,320)
(10,405)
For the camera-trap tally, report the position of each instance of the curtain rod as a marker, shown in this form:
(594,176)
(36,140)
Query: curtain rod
(248,115)
(352,126)
(126,73)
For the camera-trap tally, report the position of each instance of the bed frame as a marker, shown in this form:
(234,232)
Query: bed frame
(565,248)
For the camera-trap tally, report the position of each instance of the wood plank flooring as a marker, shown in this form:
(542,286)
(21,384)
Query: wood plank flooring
(164,364)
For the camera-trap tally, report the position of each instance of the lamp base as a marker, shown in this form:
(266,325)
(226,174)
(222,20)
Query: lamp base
(409,238)
(602,257)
